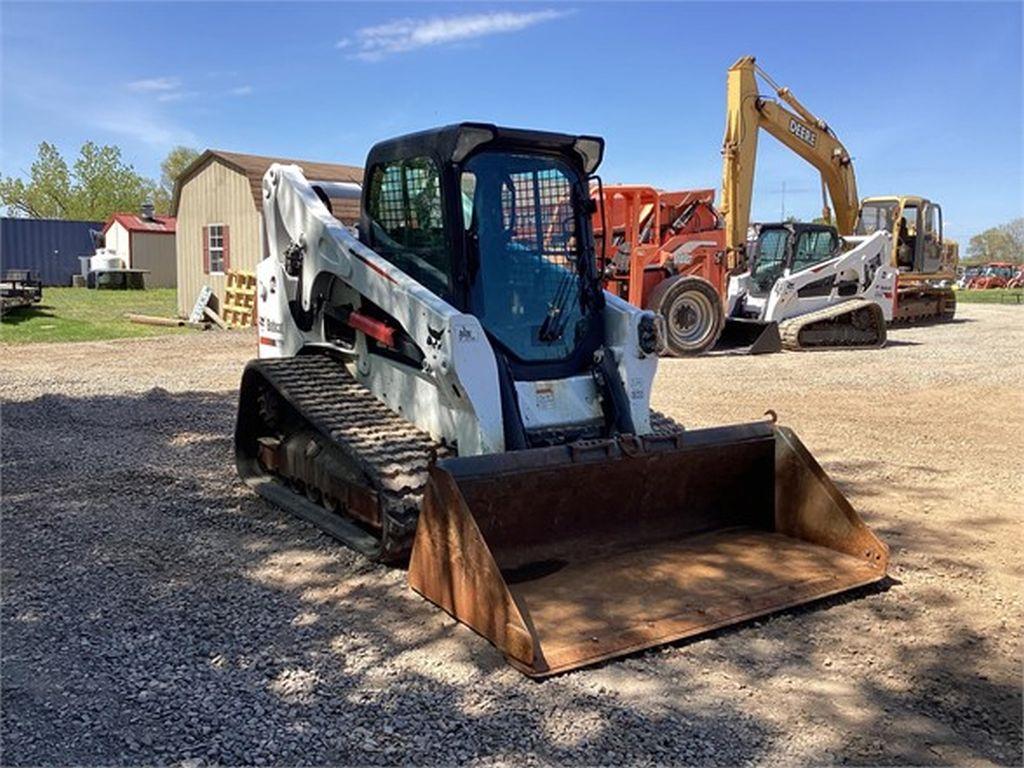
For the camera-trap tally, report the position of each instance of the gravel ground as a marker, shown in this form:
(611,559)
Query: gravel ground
(155,611)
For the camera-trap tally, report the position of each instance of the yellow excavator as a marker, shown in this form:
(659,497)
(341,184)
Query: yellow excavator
(926,263)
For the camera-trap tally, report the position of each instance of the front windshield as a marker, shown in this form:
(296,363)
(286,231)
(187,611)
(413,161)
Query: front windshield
(523,225)
(769,259)
(875,217)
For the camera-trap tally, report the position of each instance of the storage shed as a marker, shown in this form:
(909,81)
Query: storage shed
(145,241)
(218,207)
(49,248)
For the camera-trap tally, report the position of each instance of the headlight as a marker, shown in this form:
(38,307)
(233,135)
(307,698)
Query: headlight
(650,333)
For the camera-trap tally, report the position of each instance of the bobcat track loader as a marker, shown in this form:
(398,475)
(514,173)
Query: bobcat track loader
(454,380)
(810,289)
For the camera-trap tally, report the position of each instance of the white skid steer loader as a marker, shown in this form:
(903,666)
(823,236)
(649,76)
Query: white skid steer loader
(453,380)
(807,288)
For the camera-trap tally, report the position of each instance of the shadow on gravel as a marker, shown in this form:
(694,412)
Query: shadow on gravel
(155,610)
(951,710)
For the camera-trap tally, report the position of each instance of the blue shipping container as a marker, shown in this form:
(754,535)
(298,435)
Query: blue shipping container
(48,247)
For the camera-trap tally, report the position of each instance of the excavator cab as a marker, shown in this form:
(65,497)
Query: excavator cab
(916,226)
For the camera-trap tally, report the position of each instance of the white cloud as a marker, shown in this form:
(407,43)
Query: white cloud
(155,84)
(143,127)
(242,90)
(400,35)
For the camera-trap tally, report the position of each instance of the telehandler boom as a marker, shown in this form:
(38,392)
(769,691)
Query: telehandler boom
(453,378)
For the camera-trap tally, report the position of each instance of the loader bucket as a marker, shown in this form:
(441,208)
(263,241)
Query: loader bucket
(566,556)
(749,337)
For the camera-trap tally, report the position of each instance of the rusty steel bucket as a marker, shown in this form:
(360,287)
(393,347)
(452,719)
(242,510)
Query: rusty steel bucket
(570,555)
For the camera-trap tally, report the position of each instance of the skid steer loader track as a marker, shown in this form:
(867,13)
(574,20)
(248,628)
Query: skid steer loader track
(375,464)
(319,444)
(854,324)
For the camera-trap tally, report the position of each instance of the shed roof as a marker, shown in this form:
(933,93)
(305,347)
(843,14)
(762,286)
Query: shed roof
(133,222)
(255,166)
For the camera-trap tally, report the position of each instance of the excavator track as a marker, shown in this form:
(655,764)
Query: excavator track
(921,305)
(314,441)
(853,324)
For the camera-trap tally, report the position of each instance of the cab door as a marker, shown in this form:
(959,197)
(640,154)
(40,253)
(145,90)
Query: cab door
(930,239)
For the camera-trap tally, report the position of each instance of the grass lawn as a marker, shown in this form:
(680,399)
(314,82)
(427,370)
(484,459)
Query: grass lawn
(80,314)
(994,296)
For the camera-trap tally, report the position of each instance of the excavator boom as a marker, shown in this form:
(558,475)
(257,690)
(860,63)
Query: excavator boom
(748,112)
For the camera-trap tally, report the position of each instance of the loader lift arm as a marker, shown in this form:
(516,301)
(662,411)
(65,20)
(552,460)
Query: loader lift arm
(797,128)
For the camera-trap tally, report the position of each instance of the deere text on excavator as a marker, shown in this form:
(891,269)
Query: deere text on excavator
(452,378)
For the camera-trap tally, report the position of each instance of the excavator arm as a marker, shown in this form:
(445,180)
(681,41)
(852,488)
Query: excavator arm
(798,129)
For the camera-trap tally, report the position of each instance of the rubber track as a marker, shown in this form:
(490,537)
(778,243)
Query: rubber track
(789,330)
(394,453)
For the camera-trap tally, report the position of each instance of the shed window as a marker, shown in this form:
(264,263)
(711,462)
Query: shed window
(215,245)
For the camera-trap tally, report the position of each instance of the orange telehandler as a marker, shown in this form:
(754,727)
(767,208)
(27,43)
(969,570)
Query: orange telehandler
(664,251)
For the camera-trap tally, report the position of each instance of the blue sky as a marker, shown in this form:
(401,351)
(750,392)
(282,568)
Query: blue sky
(926,96)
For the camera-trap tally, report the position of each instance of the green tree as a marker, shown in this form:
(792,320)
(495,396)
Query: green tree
(47,194)
(1002,243)
(176,162)
(98,184)
(105,184)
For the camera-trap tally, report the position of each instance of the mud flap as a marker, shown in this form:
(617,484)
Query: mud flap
(749,337)
(566,556)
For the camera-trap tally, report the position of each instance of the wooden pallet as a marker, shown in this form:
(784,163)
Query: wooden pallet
(239,308)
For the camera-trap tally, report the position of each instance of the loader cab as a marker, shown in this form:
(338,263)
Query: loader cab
(497,222)
(783,249)
(916,228)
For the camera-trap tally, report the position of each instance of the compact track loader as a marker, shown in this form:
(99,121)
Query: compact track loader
(453,381)
(808,288)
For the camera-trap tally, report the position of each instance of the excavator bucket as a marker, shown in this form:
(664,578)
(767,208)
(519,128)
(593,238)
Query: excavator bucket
(566,556)
(749,337)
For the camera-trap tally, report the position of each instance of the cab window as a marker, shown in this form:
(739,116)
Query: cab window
(769,258)
(931,221)
(877,216)
(407,219)
(910,217)
(812,248)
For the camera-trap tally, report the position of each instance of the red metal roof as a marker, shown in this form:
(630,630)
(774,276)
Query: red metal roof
(135,223)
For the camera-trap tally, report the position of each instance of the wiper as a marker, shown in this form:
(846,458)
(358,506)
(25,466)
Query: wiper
(554,323)
(557,317)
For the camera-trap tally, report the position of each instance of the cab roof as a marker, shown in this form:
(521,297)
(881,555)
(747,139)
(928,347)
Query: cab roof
(453,143)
